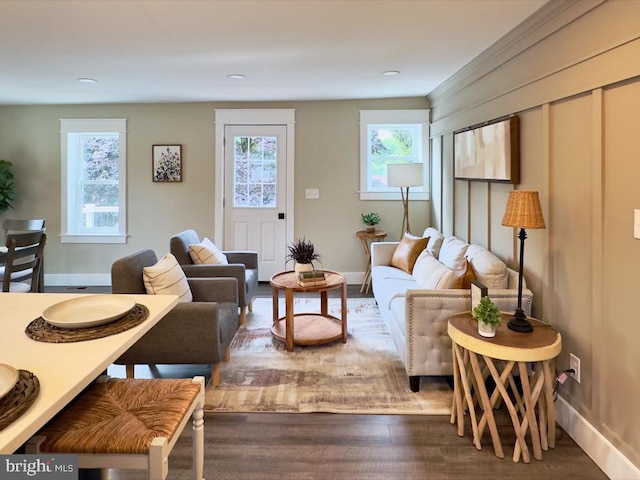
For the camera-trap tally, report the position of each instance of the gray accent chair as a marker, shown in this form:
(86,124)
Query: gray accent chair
(199,332)
(243,265)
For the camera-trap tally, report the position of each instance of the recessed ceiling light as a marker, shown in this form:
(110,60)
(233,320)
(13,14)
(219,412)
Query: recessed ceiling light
(390,73)
(236,76)
(86,80)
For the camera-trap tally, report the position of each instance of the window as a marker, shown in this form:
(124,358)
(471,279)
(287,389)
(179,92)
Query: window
(391,136)
(93,180)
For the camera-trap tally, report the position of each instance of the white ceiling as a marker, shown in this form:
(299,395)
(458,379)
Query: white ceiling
(182,51)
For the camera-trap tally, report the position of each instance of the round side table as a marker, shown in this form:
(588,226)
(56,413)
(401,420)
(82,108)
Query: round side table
(366,237)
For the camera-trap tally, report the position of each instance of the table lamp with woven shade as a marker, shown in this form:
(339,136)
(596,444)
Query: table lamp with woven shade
(523,210)
(405,175)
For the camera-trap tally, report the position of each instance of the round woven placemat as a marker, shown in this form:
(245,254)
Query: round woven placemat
(19,398)
(42,331)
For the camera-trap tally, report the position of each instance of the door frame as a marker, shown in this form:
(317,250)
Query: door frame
(239,117)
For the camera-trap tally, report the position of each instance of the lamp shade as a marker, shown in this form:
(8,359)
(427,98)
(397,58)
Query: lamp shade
(523,210)
(405,175)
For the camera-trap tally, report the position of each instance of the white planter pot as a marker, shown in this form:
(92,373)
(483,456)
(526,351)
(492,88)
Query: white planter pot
(303,267)
(486,330)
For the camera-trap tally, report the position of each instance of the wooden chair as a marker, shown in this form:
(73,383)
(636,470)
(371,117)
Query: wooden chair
(23,261)
(13,225)
(128,424)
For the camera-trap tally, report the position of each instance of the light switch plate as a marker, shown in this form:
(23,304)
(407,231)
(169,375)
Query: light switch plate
(312,193)
(636,224)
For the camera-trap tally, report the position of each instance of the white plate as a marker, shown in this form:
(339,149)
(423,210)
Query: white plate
(8,378)
(88,311)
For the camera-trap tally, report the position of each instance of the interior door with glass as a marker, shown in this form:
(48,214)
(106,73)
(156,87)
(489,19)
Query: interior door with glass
(255,194)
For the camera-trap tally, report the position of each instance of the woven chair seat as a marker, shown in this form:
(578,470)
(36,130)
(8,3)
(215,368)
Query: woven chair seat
(116,422)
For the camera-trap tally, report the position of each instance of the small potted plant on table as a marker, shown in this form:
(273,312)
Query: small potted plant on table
(370,220)
(303,253)
(488,316)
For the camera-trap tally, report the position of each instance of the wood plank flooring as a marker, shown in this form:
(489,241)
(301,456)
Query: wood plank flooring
(269,446)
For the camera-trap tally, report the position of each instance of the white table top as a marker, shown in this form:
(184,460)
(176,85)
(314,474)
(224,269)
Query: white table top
(63,369)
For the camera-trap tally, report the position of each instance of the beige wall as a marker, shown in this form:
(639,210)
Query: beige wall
(577,92)
(326,157)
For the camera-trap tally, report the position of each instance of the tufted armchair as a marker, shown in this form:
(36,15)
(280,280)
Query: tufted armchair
(243,266)
(198,332)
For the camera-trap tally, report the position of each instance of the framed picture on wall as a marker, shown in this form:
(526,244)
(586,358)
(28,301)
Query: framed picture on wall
(489,152)
(167,163)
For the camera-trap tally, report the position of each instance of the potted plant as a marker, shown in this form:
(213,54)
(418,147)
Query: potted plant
(488,316)
(7,189)
(370,220)
(303,253)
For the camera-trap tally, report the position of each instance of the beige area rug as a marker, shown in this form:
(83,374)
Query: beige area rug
(364,375)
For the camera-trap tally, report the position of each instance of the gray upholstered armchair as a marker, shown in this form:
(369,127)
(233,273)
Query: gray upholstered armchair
(243,265)
(199,332)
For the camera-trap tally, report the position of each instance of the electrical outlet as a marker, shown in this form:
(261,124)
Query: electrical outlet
(574,363)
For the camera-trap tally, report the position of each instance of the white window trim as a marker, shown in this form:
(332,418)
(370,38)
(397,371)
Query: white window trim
(368,117)
(81,125)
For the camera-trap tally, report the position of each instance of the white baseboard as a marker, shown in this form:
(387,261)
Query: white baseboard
(104,279)
(78,280)
(610,460)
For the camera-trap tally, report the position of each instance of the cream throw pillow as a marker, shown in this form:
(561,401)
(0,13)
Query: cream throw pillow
(167,278)
(206,252)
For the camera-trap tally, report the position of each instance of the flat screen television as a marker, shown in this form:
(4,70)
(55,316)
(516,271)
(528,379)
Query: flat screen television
(489,152)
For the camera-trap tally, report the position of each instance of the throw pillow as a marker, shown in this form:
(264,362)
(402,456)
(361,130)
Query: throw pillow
(462,278)
(405,255)
(435,241)
(452,253)
(167,278)
(206,252)
(488,268)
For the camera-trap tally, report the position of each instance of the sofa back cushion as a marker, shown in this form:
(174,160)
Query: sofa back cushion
(487,267)
(407,251)
(435,241)
(431,274)
(452,253)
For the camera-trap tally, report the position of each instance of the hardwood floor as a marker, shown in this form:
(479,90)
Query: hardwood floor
(266,446)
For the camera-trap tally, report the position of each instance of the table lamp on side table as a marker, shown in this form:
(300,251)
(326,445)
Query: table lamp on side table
(405,175)
(523,210)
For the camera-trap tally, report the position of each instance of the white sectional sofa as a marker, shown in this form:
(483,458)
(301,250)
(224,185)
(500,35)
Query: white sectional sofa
(416,306)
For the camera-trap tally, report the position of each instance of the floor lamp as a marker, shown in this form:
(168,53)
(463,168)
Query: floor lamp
(405,175)
(523,210)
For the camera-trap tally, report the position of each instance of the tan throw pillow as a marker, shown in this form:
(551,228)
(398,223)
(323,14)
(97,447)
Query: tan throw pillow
(408,251)
(206,252)
(462,278)
(167,278)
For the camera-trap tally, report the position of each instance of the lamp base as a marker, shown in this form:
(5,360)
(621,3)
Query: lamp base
(519,322)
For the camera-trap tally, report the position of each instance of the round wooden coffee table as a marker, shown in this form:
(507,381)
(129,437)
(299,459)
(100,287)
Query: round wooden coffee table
(308,328)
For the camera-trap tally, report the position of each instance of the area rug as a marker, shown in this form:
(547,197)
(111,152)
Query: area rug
(363,376)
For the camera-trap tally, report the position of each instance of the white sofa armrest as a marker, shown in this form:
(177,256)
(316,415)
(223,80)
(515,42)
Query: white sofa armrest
(381,252)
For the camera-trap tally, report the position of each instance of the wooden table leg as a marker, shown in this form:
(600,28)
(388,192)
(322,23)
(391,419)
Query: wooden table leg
(530,411)
(457,408)
(487,408)
(343,311)
(549,380)
(276,307)
(468,396)
(324,309)
(289,319)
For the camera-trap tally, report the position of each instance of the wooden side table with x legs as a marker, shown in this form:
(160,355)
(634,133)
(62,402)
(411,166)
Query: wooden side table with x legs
(475,358)
(366,237)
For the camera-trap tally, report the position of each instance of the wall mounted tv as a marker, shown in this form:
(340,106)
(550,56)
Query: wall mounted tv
(489,152)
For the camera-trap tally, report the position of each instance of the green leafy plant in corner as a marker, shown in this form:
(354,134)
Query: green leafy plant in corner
(487,312)
(7,189)
(302,251)
(370,219)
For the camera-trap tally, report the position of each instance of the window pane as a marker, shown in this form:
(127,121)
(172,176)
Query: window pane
(100,158)
(391,141)
(255,179)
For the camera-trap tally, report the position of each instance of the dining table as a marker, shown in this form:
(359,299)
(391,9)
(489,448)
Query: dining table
(65,369)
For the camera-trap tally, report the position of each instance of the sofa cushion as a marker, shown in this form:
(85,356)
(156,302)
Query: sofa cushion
(435,241)
(452,253)
(488,268)
(167,278)
(389,282)
(407,251)
(206,252)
